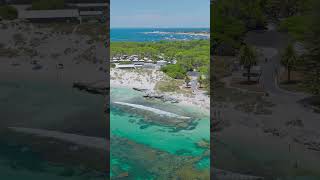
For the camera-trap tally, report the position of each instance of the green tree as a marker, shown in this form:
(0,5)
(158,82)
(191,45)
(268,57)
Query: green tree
(175,71)
(289,59)
(248,59)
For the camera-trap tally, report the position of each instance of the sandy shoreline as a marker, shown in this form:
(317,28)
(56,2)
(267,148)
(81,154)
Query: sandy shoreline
(147,79)
(183,33)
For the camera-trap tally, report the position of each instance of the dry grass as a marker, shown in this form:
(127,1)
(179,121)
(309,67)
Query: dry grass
(58,27)
(96,31)
(168,86)
(295,84)
(172,85)
(8,52)
(295,76)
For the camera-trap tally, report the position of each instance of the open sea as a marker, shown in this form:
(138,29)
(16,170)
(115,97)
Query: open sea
(155,34)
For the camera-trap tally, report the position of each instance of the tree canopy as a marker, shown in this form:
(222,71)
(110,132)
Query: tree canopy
(189,55)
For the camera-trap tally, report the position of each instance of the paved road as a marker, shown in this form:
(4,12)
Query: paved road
(271,43)
(251,127)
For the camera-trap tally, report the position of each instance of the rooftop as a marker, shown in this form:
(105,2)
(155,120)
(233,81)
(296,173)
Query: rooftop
(193,73)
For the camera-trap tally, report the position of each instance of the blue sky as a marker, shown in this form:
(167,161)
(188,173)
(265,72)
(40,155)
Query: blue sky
(160,13)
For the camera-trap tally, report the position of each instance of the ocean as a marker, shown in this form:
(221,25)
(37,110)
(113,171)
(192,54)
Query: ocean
(155,34)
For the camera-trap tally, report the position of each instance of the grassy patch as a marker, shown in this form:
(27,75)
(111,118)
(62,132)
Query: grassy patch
(168,86)
(172,85)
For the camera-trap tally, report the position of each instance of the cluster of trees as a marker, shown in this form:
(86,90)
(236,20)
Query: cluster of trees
(189,55)
(231,19)
(8,12)
(296,17)
(311,59)
(302,23)
(286,8)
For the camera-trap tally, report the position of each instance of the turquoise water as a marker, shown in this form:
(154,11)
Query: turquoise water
(154,34)
(137,126)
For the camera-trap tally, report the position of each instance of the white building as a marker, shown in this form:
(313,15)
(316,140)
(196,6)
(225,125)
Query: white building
(162,63)
(125,66)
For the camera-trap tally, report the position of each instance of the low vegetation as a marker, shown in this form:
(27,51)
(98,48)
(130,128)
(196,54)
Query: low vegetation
(8,12)
(47,4)
(168,86)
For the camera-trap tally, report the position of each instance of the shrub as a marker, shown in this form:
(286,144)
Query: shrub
(47,4)
(175,71)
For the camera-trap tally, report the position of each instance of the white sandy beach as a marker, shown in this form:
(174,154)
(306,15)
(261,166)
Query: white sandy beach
(147,79)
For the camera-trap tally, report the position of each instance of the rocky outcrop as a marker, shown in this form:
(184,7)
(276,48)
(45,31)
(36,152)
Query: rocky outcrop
(154,95)
(91,88)
(140,89)
(164,98)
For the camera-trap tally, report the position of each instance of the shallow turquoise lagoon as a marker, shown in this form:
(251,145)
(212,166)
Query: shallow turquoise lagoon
(129,123)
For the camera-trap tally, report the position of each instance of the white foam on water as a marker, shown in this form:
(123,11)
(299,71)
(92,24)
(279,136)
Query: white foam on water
(154,110)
